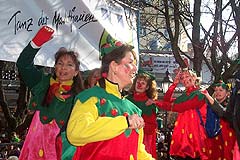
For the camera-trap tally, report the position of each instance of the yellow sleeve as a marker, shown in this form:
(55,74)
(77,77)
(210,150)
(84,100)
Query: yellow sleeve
(142,153)
(86,126)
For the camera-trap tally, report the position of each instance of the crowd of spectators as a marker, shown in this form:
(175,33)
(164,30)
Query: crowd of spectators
(10,146)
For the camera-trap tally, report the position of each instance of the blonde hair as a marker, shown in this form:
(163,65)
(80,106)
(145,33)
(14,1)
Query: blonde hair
(193,74)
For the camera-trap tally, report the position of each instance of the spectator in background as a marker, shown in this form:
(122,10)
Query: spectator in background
(14,150)
(92,78)
(14,137)
(5,138)
(12,158)
(52,100)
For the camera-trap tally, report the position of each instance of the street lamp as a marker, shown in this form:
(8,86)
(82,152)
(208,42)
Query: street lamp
(166,82)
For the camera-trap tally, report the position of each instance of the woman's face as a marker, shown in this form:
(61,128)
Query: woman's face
(126,70)
(65,69)
(141,85)
(187,80)
(94,78)
(220,93)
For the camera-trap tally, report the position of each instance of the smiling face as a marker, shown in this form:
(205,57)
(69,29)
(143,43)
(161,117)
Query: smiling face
(94,77)
(187,79)
(141,85)
(65,68)
(220,93)
(124,72)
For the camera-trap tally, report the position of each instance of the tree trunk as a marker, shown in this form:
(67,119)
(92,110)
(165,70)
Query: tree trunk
(22,100)
(22,112)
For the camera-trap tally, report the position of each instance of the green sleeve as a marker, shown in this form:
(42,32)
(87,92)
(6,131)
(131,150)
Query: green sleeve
(222,111)
(218,108)
(25,63)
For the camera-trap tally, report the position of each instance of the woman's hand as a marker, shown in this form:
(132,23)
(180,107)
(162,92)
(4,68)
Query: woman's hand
(177,77)
(135,121)
(207,95)
(42,36)
(149,102)
(204,92)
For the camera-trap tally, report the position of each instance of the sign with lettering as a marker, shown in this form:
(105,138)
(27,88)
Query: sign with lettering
(78,24)
(162,62)
(158,63)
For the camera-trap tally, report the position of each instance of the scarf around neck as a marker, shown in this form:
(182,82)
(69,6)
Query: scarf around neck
(59,90)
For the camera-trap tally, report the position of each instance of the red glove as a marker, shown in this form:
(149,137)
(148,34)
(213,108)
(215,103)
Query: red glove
(42,36)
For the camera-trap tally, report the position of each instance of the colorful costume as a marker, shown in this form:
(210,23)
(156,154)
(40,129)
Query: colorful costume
(97,107)
(189,138)
(46,137)
(150,118)
(222,145)
(232,114)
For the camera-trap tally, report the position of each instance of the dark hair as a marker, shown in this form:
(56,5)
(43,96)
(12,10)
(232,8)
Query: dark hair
(77,85)
(151,91)
(116,55)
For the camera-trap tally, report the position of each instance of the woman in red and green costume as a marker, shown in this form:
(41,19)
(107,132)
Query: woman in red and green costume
(189,139)
(52,100)
(144,89)
(226,140)
(103,124)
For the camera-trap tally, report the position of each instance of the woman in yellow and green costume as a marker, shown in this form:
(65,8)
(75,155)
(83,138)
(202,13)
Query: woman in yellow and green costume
(103,124)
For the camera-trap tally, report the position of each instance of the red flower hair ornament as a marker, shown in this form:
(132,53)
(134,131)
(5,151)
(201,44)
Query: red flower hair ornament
(104,75)
(109,47)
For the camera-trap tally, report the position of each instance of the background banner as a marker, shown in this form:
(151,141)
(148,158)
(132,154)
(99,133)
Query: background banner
(78,24)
